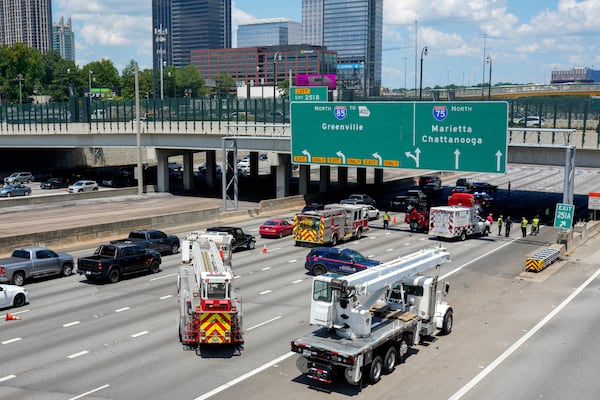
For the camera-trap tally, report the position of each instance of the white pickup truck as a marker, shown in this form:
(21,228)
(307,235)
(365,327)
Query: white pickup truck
(29,262)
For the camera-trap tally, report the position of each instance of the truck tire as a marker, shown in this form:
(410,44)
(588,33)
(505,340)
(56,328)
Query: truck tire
(174,248)
(114,275)
(390,360)
(18,278)
(448,322)
(358,234)
(334,240)
(414,226)
(375,369)
(319,270)
(463,236)
(251,245)
(67,269)
(154,267)
(19,300)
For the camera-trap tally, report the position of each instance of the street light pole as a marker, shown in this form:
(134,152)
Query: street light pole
(90,73)
(276,57)
(489,60)
(161,38)
(424,52)
(20,78)
(483,72)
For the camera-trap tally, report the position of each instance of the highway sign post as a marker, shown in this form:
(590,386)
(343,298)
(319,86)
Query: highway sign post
(563,216)
(446,136)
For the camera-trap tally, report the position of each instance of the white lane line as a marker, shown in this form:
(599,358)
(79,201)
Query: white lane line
(7,377)
(69,324)
(136,335)
(266,291)
(479,377)
(237,276)
(390,250)
(244,377)
(122,309)
(297,281)
(162,277)
(264,323)
(372,237)
(292,261)
(265,268)
(165,297)
(81,353)
(90,392)
(9,341)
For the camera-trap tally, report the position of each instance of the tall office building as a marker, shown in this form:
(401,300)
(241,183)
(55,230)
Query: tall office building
(353,28)
(63,39)
(180,26)
(269,34)
(28,22)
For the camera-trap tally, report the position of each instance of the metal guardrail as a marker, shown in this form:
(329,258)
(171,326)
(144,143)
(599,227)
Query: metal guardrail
(542,259)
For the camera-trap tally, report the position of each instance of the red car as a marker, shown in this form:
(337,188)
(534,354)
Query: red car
(276,227)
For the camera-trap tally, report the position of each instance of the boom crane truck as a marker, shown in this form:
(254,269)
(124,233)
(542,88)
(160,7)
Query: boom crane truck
(210,309)
(369,319)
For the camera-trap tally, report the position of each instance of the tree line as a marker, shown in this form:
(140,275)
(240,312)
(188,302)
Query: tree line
(26,72)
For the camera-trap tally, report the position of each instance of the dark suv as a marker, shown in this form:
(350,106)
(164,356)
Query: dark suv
(240,239)
(321,260)
(433,181)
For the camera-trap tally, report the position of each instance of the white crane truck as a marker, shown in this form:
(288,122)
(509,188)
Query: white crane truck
(369,319)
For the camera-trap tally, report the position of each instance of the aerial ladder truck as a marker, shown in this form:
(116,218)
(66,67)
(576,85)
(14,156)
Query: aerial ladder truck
(210,309)
(369,319)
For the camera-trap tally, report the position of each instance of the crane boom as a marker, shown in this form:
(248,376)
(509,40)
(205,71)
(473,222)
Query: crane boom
(344,303)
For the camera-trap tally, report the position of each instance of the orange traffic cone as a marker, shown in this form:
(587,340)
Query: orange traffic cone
(394,219)
(264,250)
(10,317)
(221,252)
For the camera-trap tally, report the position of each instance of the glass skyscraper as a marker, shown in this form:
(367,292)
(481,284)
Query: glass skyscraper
(63,39)
(353,28)
(180,26)
(28,22)
(269,34)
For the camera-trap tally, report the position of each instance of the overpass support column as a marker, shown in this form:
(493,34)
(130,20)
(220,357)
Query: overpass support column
(211,168)
(325,181)
(361,176)
(378,177)
(343,177)
(282,176)
(162,171)
(188,171)
(304,179)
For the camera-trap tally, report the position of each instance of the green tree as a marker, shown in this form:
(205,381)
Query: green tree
(283,88)
(224,84)
(21,71)
(103,75)
(190,81)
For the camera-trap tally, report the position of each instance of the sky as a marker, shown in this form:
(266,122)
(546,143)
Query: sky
(525,39)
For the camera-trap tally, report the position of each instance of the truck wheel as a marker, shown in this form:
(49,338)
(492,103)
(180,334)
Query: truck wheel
(174,248)
(358,233)
(251,244)
(18,278)
(414,226)
(448,321)
(319,269)
(334,240)
(114,275)
(390,360)
(154,267)
(19,300)
(375,370)
(463,236)
(67,269)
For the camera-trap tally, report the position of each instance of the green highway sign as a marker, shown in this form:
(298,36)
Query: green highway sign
(563,216)
(448,136)
(308,93)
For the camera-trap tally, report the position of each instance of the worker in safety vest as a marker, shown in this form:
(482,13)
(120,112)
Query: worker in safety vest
(524,223)
(535,225)
(500,220)
(386,220)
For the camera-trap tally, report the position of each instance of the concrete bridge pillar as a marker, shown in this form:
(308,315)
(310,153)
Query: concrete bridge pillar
(188,171)
(162,171)
(304,179)
(378,176)
(211,168)
(361,176)
(282,176)
(325,178)
(343,177)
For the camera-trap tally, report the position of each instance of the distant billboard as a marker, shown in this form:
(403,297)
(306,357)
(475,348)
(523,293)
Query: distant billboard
(328,80)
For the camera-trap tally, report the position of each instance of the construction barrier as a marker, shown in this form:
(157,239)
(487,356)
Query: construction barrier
(541,259)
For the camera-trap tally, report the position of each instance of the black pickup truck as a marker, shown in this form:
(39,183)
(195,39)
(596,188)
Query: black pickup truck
(112,261)
(412,199)
(241,240)
(152,239)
